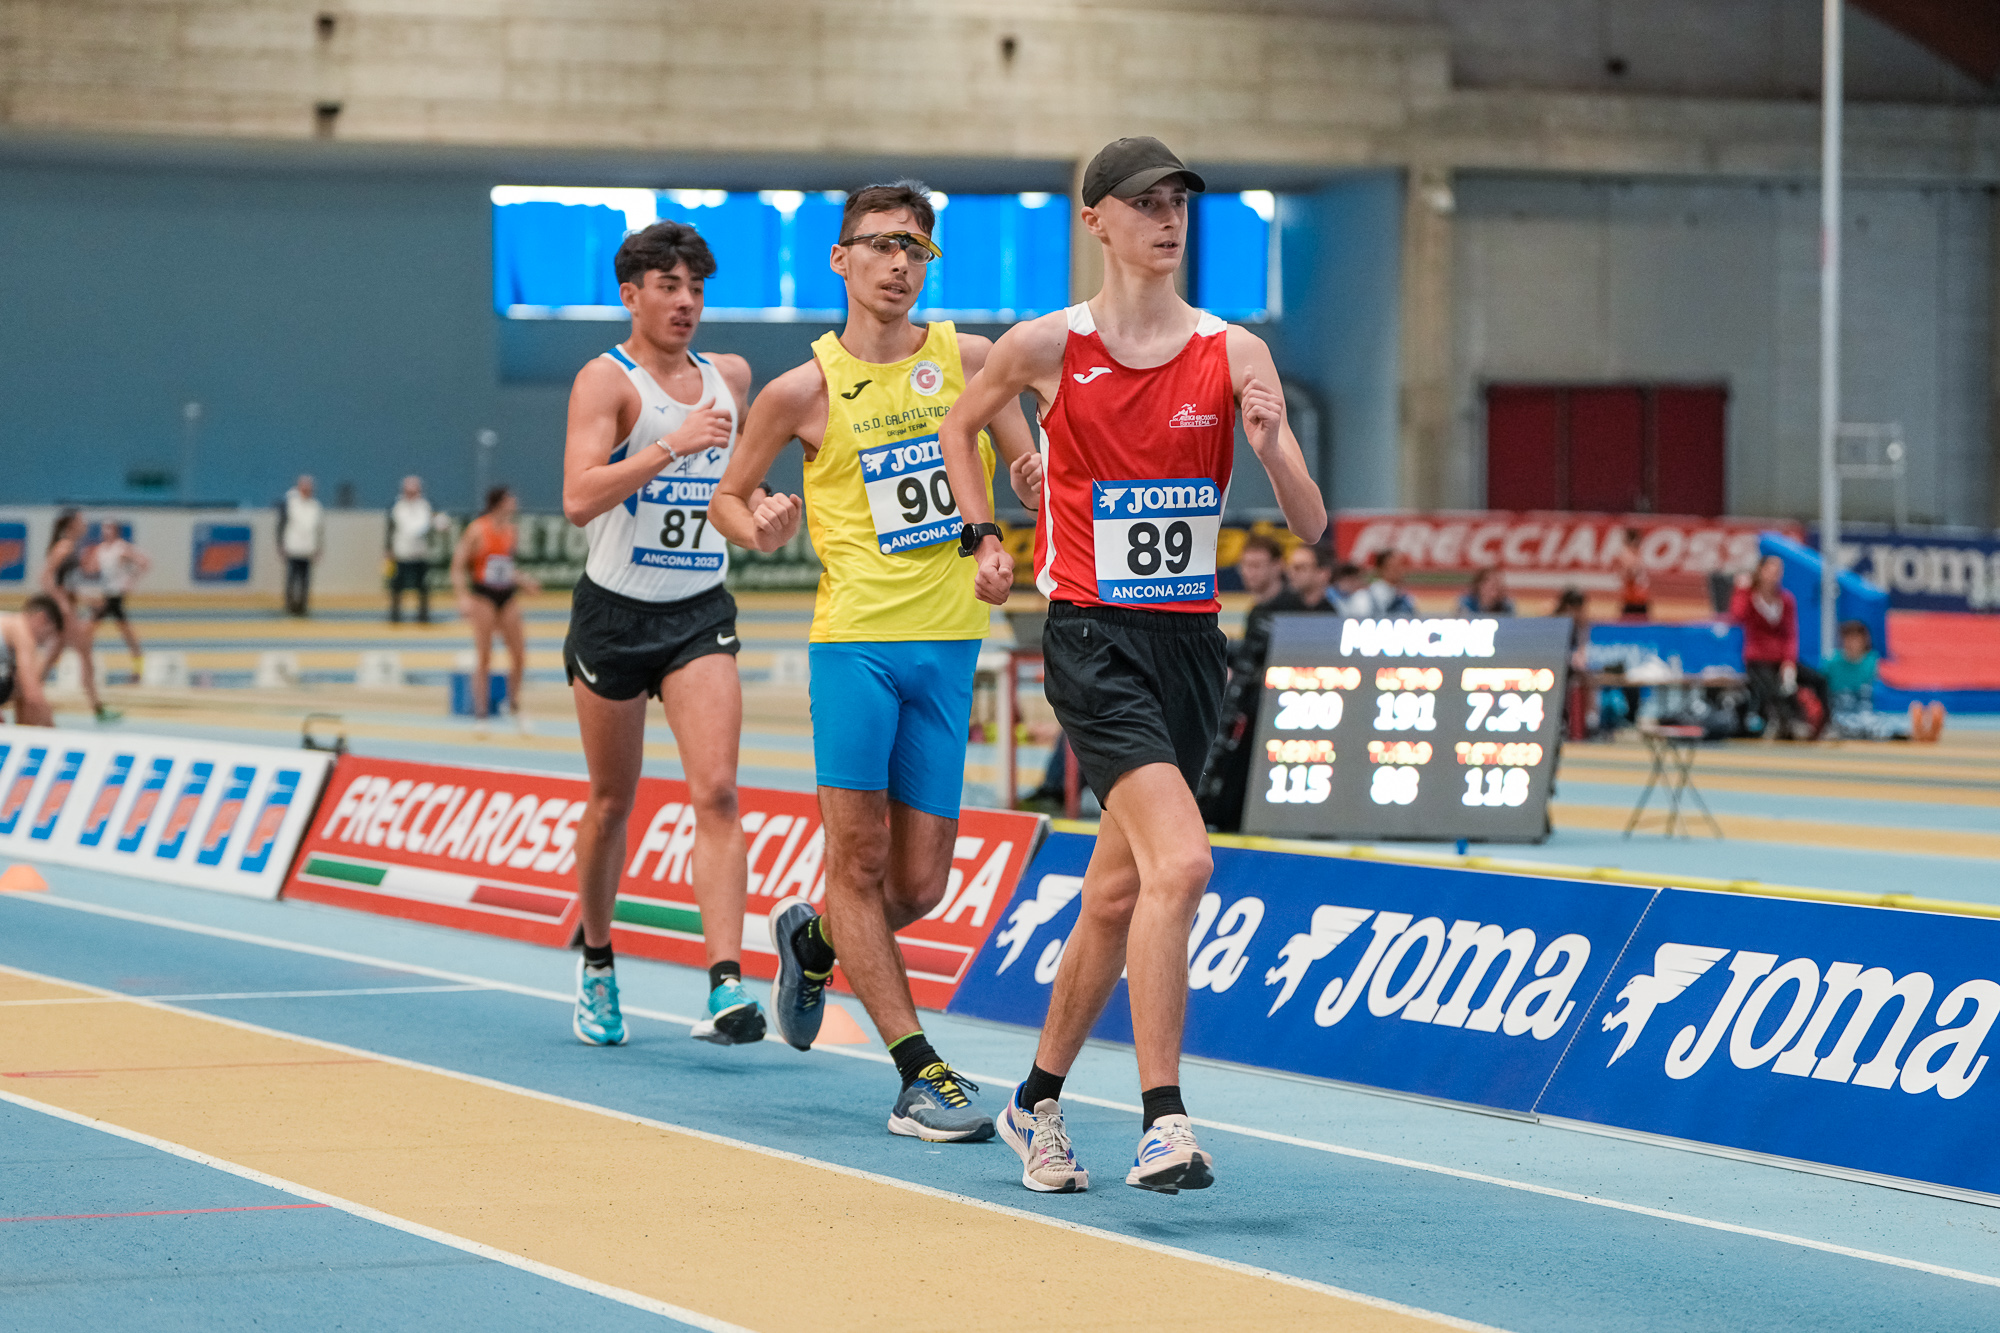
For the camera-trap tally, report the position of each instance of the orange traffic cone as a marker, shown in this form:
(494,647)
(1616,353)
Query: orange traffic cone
(838,1028)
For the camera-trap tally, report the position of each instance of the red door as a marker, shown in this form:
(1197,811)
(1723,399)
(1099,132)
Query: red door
(1606,448)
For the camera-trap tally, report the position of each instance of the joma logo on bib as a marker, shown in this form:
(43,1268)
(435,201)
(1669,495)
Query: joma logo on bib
(1169,497)
(901,458)
(679,491)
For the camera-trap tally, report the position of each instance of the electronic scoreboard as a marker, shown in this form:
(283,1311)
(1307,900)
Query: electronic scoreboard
(1433,729)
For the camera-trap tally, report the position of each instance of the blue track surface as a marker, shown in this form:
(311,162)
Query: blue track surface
(1480,1250)
(268,1262)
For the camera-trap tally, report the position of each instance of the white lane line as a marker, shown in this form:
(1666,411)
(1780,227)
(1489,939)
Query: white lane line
(779,1154)
(693,1318)
(116,997)
(1340,1150)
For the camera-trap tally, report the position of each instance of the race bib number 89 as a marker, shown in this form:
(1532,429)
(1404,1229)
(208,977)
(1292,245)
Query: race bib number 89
(672,529)
(1155,540)
(909,496)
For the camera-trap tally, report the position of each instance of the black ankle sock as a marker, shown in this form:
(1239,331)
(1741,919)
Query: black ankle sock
(810,944)
(720,972)
(913,1055)
(595,956)
(1039,1084)
(1162,1101)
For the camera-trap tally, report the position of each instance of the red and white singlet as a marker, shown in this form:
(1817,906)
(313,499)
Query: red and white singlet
(1135,471)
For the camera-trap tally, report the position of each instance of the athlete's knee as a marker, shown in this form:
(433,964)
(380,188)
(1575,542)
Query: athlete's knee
(608,809)
(1183,871)
(714,801)
(913,900)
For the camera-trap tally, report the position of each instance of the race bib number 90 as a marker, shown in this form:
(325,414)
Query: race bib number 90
(1155,540)
(909,496)
(672,529)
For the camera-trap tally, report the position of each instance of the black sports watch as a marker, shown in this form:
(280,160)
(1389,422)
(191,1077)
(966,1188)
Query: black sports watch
(971,534)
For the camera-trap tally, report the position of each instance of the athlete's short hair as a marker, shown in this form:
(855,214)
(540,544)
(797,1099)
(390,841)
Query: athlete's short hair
(48,606)
(903,196)
(495,495)
(663,246)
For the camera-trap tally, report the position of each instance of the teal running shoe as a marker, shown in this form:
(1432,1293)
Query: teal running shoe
(598,1021)
(795,997)
(936,1109)
(733,1017)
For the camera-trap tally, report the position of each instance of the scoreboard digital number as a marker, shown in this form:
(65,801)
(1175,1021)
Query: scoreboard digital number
(1431,729)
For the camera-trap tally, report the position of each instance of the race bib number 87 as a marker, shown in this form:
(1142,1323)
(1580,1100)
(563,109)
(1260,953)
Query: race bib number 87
(909,496)
(1155,540)
(672,531)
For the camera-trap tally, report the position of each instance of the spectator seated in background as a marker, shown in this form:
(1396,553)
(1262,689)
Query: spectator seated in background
(1488,595)
(1779,684)
(1349,593)
(1850,686)
(1385,595)
(1308,571)
(1261,566)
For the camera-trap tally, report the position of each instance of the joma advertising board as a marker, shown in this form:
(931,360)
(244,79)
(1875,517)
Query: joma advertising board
(201,813)
(495,851)
(1853,1037)
(1460,986)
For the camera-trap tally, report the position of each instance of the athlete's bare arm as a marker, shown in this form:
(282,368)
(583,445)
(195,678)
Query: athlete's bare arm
(1027,356)
(1262,401)
(792,406)
(1012,439)
(603,406)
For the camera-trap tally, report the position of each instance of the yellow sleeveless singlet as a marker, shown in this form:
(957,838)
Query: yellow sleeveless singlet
(881,515)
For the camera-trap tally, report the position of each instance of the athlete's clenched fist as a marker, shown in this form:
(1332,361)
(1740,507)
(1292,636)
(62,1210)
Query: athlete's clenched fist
(993,577)
(1025,473)
(1263,412)
(777,518)
(706,427)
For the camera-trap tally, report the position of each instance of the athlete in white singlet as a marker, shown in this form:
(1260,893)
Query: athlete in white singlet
(651,426)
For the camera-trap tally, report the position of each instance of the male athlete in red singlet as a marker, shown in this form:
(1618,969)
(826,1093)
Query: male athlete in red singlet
(1139,393)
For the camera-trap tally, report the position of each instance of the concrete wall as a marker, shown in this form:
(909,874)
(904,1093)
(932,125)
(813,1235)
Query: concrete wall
(1580,280)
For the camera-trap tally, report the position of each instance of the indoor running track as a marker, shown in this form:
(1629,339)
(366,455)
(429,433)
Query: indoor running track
(321,1119)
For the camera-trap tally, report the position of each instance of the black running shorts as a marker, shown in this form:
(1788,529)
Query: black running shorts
(111,608)
(621,647)
(1134,687)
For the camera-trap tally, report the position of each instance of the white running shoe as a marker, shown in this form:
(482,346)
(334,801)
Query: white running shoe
(1048,1165)
(1169,1160)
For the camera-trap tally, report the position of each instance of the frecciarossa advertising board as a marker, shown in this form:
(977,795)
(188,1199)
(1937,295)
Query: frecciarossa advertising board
(205,814)
(1853,1037)
(495,851)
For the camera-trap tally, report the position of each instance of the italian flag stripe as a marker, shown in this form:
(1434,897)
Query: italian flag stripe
(328,868)
(436,886)
(658,915)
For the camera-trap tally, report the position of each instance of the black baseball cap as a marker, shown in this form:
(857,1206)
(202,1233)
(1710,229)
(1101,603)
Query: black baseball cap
(1129,167)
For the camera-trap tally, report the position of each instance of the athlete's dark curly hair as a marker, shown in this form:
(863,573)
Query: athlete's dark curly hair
(663,246)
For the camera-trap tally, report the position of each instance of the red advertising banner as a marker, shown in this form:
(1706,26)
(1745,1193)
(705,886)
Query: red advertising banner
(1549,549)
(494,850)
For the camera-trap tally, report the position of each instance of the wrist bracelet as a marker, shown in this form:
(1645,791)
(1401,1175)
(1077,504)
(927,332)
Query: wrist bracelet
(666,448)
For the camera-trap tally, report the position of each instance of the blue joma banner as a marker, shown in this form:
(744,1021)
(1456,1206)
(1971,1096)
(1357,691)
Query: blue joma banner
(1851,1036)
(1924,573)
(1848,1036)
(1460,986)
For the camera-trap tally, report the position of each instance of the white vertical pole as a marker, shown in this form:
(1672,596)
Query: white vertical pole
(1829,326)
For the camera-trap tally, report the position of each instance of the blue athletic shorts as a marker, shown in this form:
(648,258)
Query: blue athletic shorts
(893,717)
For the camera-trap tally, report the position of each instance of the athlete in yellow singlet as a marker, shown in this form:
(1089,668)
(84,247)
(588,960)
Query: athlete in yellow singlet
(896,630)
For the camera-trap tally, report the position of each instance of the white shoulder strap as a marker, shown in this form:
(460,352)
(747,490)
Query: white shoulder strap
(1208,325)
(1080,320)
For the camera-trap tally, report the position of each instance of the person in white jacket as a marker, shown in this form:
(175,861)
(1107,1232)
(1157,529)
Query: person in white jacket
(301,537)
(411,521)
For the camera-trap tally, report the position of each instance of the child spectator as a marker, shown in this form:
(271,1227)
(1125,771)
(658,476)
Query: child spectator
(1850,684)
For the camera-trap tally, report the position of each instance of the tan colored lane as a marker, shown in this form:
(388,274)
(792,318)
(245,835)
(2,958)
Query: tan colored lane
(1710,779)
(515,1172)
(1797,832)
